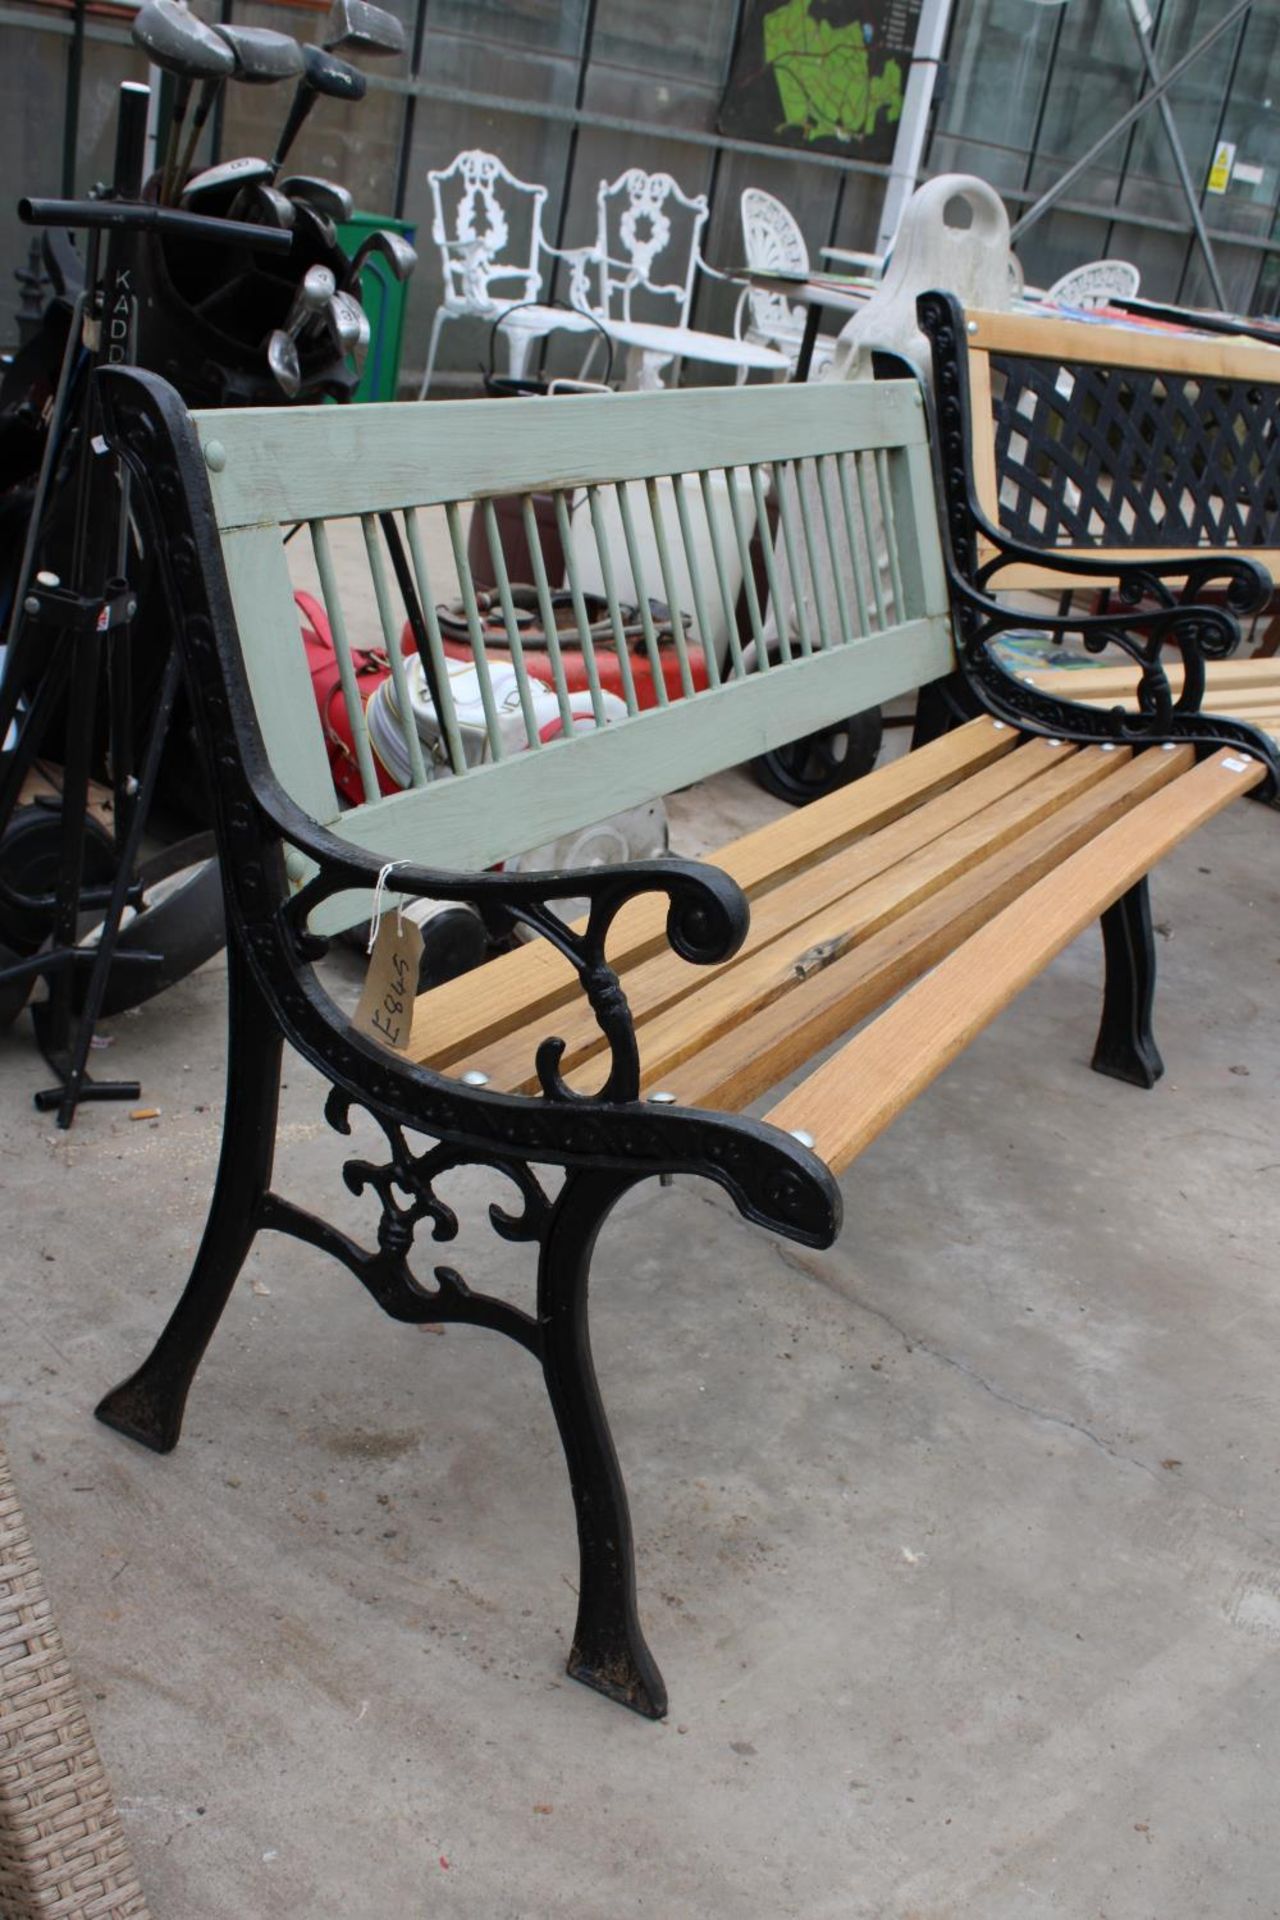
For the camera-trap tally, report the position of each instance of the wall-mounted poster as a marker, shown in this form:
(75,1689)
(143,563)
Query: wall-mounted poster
(825,74)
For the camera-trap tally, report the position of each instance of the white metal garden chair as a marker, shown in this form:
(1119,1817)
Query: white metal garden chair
(773,243)
(648,242)
(486,272)
(1095,284)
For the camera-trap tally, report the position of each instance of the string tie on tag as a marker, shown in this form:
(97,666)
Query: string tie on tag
(379,888)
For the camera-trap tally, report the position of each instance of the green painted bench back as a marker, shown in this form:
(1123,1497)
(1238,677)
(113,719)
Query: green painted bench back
(855,610)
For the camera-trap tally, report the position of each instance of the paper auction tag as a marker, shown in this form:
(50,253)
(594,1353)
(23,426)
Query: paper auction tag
(390,986)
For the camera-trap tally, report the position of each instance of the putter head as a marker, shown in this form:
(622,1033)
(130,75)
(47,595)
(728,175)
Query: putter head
(326,196)
(324,73)
(226,178)
(173,38)
(282,358)
(359,27)
(262,56)
(400,257)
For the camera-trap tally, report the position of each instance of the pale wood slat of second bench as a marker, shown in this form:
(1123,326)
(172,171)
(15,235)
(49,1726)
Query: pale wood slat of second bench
(452,1021)
(860,1090)
(821,903)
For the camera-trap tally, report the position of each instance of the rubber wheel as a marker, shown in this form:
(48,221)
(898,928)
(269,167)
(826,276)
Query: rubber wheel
(31,858)
(181,918)
(819,763)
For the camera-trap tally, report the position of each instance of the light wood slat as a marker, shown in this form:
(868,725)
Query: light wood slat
(1034,337)
(732,1001)
(791,1028)
(456,1017)
(1223,678)
(327,462)
(678,1007)
(857,1093)
(1246,700)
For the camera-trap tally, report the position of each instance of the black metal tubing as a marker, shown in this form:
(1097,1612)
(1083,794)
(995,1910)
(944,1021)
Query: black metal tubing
(113,215)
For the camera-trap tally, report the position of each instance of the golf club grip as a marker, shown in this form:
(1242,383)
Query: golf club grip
(149,219)
(299,107)
(131,141)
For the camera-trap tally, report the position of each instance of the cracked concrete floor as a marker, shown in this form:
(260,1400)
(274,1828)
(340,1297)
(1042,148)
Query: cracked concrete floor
(959,1545)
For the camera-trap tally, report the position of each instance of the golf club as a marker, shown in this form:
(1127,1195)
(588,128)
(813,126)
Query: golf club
(326,196)
(270,208)
(357,319)
(282,358)
(313,296)
(355,26)
(400,257)
(225,180)
(262,58)
(173,39)
(323,73)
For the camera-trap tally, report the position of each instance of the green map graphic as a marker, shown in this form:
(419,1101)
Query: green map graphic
(826,82)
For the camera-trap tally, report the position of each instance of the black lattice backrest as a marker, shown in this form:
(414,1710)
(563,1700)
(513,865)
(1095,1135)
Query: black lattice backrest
(1108,440)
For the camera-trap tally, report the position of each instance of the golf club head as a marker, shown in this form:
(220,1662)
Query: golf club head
(326,196)
(282,358)
(359,27)
(316,290)
(356,323)
(173,38)
(275,209)
(262,56)
(343,324)
(316,228)
(400,257)
(325,74)
(230,176)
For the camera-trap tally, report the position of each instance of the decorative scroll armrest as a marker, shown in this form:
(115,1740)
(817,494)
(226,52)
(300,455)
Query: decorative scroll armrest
(707,920)
(1198,633)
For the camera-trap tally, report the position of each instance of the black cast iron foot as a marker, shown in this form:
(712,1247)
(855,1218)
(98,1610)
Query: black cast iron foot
(628,1675)
(1136,1066)
(143,1412)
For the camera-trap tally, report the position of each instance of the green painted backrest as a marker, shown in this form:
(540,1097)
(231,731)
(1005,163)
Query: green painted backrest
(854,609)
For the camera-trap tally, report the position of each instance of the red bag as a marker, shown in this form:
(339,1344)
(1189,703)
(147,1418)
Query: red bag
(371,669)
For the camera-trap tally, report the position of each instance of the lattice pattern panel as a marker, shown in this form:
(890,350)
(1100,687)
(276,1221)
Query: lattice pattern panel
(1096,456)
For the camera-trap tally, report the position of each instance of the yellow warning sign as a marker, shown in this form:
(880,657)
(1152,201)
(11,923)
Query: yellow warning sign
(1224,160)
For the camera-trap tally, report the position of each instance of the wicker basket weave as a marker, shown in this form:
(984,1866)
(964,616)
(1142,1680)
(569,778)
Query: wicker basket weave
(63,1855)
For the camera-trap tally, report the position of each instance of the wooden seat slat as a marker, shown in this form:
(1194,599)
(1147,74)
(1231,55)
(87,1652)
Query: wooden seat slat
(948,828)
(455,1020)
(792,1027)
(1222,678)
(862,1088)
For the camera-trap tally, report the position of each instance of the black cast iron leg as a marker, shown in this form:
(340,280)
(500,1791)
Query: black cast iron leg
(148,1406)
(609,1650)
(1126,1047)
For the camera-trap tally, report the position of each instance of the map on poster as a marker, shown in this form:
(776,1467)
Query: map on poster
(824,74)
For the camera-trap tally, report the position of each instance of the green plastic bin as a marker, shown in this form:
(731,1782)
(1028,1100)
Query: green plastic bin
(383,298)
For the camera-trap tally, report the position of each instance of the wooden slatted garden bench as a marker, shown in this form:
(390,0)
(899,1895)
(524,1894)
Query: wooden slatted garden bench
(1127,445)
(895,917)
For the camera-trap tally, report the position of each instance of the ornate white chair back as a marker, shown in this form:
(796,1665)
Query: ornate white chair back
(648,235)
(1094,284)
(773,243)
(489,241)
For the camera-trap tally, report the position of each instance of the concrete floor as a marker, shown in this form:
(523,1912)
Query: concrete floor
(959,1544)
